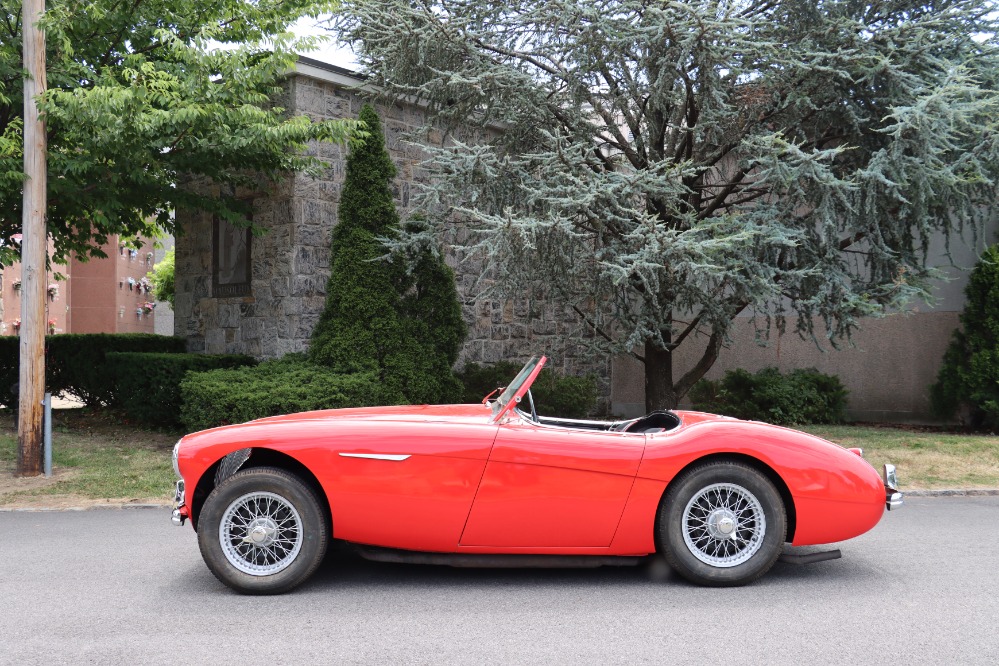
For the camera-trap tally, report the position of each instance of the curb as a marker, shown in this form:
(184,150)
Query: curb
(947,492)
(957,492)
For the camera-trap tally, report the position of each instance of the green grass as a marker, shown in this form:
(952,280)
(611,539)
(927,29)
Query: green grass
(926,459)
(93,458)
(98,459)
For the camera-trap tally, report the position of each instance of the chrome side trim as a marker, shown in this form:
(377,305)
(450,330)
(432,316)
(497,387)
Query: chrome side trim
(377,456)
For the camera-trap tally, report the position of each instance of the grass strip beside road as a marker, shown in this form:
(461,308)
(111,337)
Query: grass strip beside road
(98,460)
(926,458)
(94,460)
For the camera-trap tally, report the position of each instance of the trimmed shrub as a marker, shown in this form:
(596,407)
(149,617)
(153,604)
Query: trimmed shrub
(566,396)
(291,384)
(75,363)
(148,384)
(9,370)
(801,396)
(397,316)
(968,383)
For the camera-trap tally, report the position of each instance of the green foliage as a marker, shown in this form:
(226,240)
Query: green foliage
(77,363)
(141,99)
(147,385)
(786,159)
(968,382)
(554,395)
(288,385)
(801,396)
(394,315)
(162,277)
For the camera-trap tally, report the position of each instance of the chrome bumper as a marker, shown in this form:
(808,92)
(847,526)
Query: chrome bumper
(179,498)
(893,498)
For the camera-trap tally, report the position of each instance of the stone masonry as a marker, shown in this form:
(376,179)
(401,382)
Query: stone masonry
(290,262)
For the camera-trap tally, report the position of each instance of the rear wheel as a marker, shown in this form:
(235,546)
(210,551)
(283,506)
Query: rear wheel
(262,531)
(722,524)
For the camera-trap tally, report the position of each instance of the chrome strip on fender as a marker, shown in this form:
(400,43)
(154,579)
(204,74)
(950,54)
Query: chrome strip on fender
(377,456)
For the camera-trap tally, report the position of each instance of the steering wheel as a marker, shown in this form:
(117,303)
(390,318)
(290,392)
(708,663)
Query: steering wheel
(534,412)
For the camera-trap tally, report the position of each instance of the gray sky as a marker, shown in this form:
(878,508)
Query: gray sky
(329,52)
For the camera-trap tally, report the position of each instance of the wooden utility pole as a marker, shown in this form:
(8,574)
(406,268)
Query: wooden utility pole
(34,246)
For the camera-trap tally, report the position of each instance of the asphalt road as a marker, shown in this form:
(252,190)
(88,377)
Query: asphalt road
(126,587)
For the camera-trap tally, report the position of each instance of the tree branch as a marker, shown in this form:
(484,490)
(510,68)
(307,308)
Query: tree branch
(707,359)
(686,331)
(599,331)
(719,199)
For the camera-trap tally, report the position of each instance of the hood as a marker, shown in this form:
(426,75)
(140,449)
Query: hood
(458,413)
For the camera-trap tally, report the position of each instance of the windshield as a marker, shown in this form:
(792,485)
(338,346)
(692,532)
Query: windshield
(510,393)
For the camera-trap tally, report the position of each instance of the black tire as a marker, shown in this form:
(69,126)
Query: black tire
(274,566)
(725,549)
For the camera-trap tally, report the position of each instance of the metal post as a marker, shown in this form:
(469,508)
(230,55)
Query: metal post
(47,432)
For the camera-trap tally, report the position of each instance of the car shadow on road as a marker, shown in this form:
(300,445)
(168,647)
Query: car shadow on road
(345,569)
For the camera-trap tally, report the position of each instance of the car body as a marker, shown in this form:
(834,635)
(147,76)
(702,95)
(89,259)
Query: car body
(719,497)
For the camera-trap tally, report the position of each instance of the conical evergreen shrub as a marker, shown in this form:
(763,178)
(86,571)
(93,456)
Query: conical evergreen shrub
(969,379)
(396,315)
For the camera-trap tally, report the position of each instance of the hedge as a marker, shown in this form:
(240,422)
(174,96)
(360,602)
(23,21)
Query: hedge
(566,396)
(288,385)
(76,363)
(148,384)
(801,396)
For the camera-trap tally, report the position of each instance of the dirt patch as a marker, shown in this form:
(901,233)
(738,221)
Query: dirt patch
(67,502)
(10,484)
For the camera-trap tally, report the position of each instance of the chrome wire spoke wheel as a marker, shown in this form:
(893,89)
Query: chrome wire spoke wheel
(261,533)
(723,525)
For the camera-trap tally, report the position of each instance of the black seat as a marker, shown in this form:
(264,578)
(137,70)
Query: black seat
(658,421)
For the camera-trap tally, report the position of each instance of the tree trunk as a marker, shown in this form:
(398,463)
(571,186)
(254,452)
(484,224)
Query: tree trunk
(659,393)
(660,390)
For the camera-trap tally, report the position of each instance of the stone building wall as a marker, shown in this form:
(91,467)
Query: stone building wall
(290,262)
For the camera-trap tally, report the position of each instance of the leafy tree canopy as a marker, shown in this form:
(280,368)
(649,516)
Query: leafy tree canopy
(162,277)
(681,162)
(393,313)
(140,98)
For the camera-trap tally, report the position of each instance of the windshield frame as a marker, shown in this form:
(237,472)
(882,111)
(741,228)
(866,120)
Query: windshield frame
(517,389)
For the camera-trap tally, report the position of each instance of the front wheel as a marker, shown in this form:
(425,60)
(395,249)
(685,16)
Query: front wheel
(722,524)
(262,531)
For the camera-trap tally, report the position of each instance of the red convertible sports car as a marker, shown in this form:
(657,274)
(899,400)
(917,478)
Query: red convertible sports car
(494,484)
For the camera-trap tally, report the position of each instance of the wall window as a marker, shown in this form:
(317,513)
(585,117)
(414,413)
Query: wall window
(231,261)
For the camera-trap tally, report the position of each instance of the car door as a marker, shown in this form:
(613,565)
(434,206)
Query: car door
(547,487)
(406,485)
